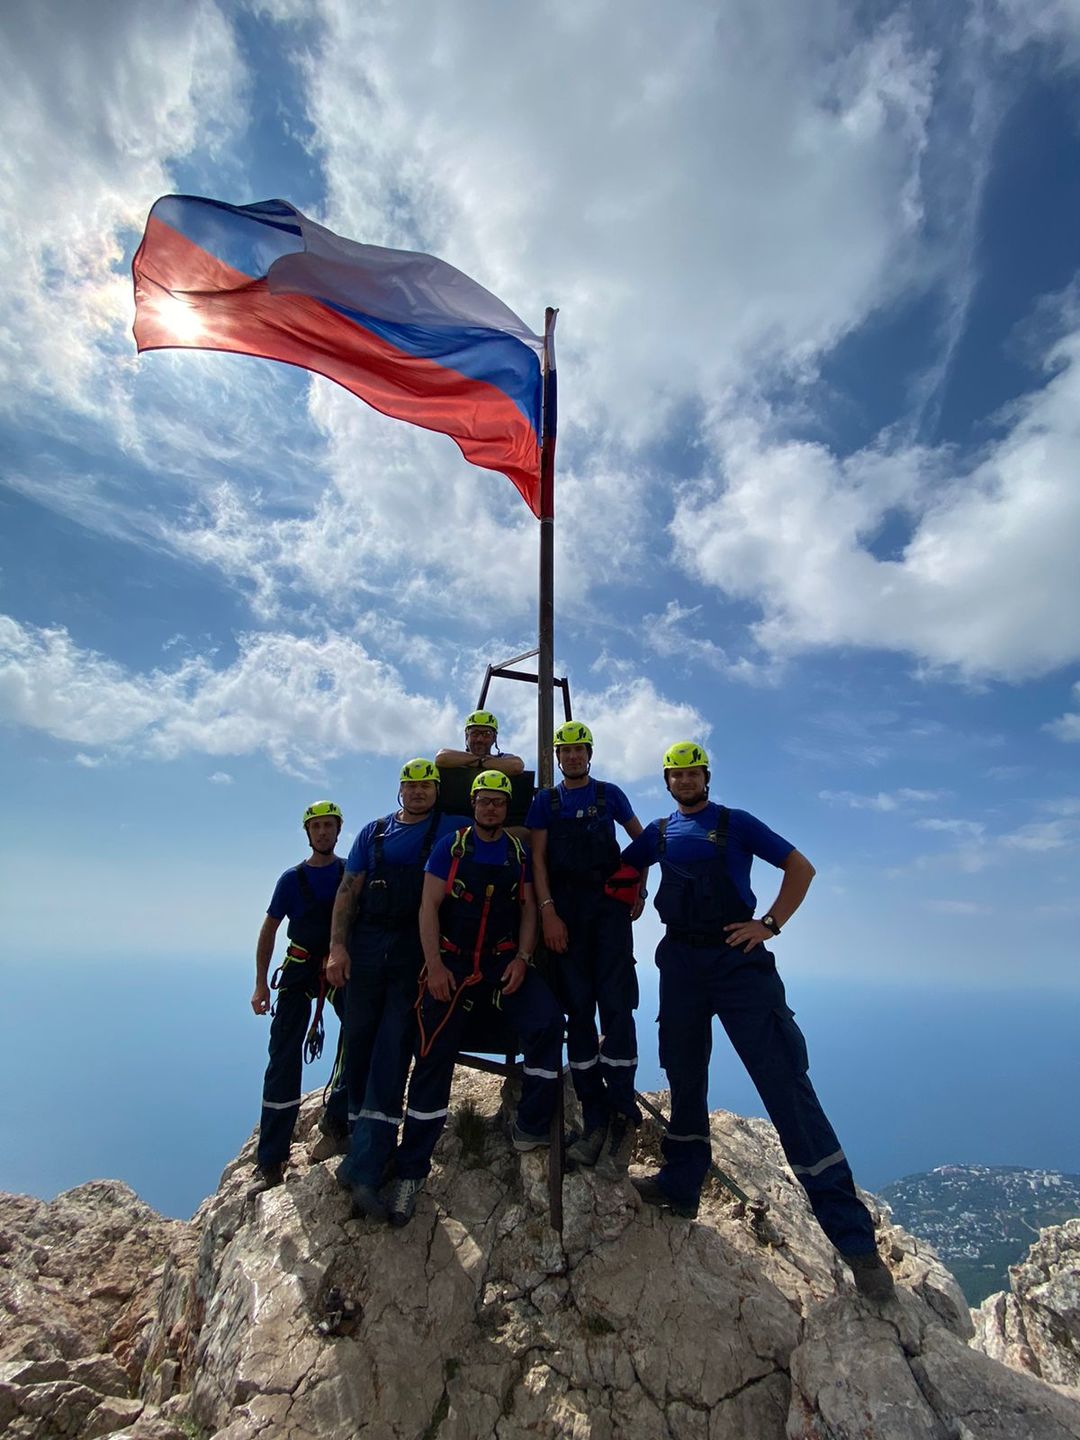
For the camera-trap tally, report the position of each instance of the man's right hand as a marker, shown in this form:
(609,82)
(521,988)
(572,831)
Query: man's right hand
(556,937)
(440,982)
(337,966)
(260,1000)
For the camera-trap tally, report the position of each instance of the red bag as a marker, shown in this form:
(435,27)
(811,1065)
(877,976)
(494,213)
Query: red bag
(624,884)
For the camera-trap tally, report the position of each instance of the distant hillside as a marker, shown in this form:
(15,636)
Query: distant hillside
(982,1218)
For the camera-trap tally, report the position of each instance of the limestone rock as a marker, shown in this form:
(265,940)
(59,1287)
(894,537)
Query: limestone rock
(1036,1325)
(479,1320)
(79,1287)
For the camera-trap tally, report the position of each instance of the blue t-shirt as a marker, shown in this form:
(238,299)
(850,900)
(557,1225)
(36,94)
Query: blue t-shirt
(288,900)
(687,839)
(402,843)
(485,852)
(574,803)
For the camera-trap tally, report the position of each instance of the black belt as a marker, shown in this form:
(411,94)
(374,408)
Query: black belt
(697,939)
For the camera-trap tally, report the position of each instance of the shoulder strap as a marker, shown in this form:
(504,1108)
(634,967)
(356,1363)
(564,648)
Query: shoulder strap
(719,835)
(519,854)
(661,825)
(307,894)
(429,838)
(457,851)
(601,798)
(377,838)
(555,800)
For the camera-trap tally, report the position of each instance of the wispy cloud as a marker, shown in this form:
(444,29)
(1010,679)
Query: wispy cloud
(787,526)
(95,104)
(1067,727)
(300,701)
(885,801)
(1040,836)
(956,907)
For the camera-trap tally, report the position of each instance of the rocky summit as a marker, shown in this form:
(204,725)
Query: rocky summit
(278,1315)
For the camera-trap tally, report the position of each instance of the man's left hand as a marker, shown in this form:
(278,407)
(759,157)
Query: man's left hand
(748,934)
(638,907)
(514,975)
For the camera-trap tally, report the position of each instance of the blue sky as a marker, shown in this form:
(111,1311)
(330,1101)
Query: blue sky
(819,354)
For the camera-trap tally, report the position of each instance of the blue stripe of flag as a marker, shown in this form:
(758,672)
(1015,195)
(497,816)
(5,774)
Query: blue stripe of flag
(492,356)
(247,237)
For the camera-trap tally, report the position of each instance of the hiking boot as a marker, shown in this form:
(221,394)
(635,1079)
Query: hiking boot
(329,1126)
(366,1201)
(267,1177)
(333,1140)
(615,1157)
(585,1149)
(653,1193)
(525,1140)
(873,1279)
(402,1205)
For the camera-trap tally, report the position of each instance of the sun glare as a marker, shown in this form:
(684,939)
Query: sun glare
(179,318)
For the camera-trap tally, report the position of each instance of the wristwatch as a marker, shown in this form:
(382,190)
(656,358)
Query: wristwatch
(769,921)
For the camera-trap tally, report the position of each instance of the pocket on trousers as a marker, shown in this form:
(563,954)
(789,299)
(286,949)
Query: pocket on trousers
(792,1039)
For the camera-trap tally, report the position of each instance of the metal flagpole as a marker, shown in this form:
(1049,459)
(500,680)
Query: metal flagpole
(545,764)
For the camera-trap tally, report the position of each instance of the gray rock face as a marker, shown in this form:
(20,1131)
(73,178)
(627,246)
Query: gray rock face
(80,1284)
(479,1320)
(1036,1326)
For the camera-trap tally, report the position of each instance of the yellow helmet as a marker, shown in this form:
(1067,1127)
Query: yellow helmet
(419,769)
(685,755)
(572,732)
(492,780)
(483,719)
(322,807)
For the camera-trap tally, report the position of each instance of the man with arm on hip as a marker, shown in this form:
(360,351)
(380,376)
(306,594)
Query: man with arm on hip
(713,961)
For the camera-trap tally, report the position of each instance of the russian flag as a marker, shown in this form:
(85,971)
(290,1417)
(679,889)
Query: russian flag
(404,331)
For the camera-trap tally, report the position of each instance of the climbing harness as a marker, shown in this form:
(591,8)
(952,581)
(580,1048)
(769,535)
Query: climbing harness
(455,889)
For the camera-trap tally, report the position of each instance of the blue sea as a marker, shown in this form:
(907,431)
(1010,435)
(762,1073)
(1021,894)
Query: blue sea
(151,1074)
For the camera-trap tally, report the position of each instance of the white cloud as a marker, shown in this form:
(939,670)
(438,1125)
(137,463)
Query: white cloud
(884,800)
(633,214)
(962,829)
(1067,726)
(790,528)
(633,725)
(1040,836)
(220,777)
(94,104)
(301,701)
(1048,21)
(1062,805)
(955,907)
(672,634)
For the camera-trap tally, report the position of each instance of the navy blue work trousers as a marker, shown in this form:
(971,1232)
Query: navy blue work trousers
(283,1082)
(535,1016)
(380,1034)
(595,974)
(747,994)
